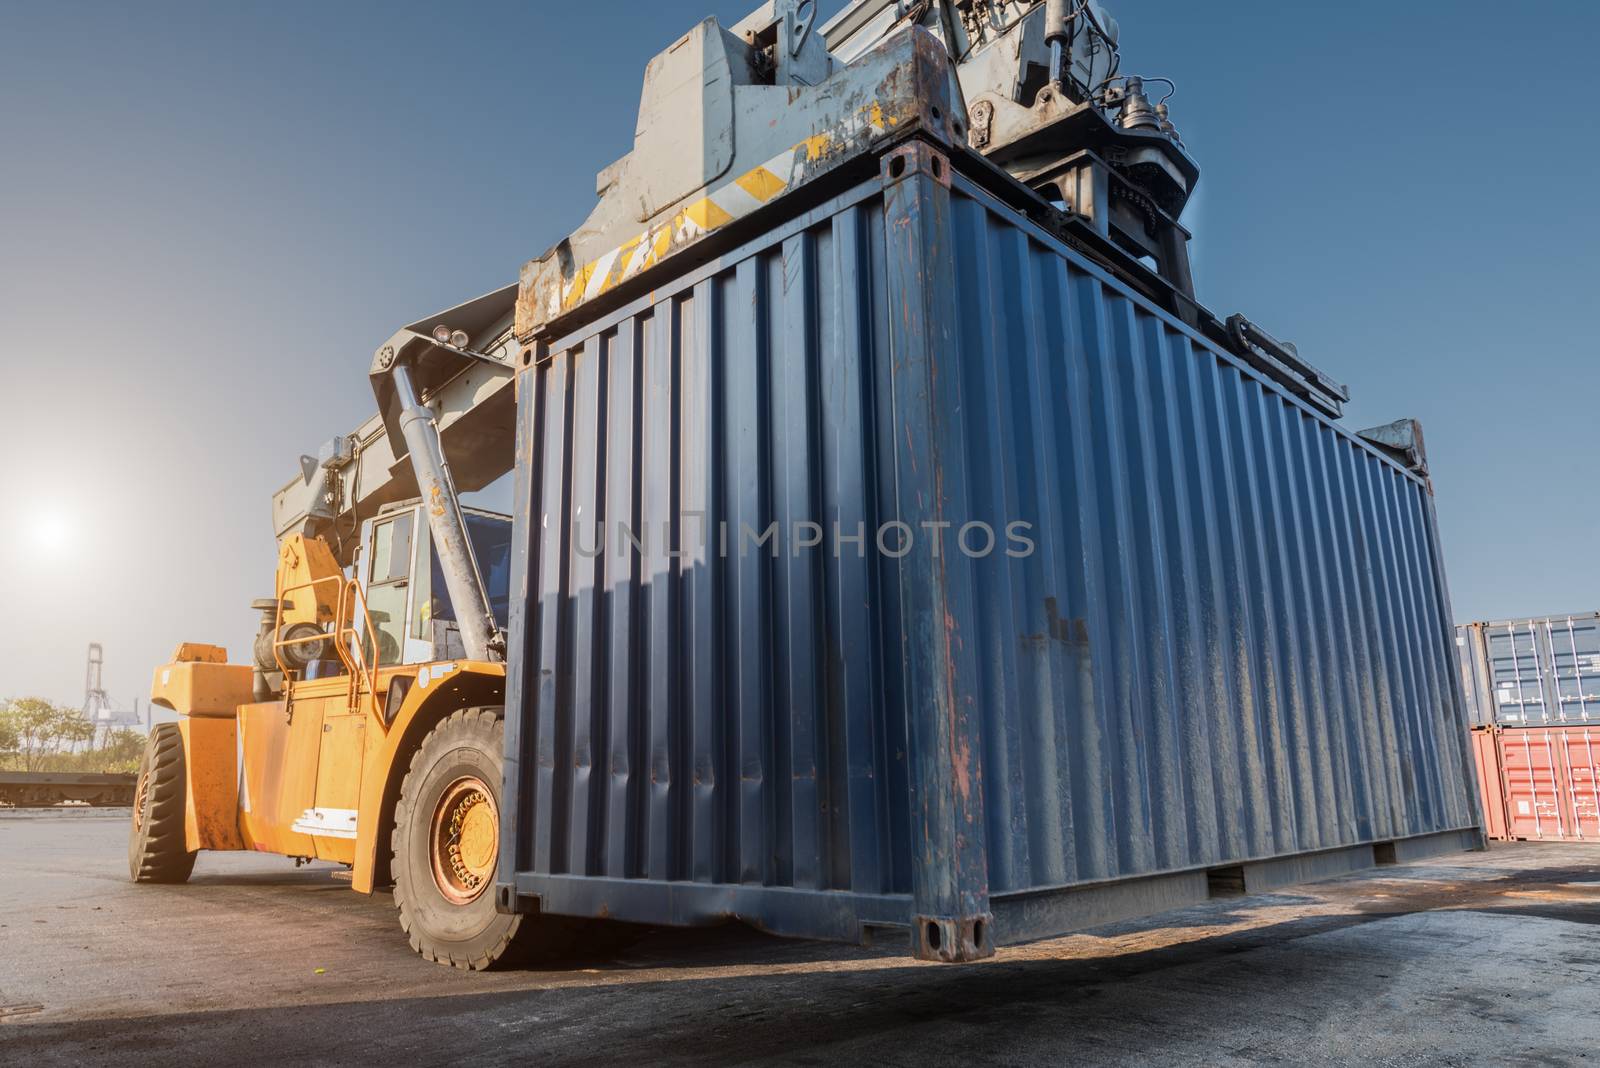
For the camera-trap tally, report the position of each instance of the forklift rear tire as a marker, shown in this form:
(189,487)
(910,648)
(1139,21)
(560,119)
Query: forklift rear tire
(446,841)
(156,852)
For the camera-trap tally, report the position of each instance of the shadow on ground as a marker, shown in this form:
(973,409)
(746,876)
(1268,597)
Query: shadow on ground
(1221,983)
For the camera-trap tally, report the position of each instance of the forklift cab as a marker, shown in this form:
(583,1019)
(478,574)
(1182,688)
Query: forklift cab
(313,724)
(404,587)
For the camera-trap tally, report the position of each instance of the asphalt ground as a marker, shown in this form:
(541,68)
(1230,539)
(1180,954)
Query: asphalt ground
(1478,958)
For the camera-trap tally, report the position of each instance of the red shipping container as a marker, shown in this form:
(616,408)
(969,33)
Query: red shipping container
(1540,783)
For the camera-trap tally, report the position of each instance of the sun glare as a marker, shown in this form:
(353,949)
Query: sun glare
(52,530)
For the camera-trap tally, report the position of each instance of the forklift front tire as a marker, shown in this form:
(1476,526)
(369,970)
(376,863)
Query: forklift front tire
(156,852)
(446,842)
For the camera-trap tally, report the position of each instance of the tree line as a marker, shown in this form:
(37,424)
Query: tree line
(39,735)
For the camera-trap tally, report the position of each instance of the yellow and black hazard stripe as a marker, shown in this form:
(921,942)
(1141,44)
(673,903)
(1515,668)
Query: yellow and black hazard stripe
(736,199)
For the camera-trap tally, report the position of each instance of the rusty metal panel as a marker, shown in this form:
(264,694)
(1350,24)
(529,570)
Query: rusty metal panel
(1209,644)
(26,789)
(1548,782)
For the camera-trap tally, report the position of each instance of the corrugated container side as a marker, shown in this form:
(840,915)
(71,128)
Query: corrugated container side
(1476,686)
(701,719)
(1229,643)
(1491,782)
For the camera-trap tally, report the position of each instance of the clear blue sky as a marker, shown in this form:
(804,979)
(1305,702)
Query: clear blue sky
(210,214)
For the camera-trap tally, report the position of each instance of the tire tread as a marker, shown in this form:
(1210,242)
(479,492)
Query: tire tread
(157,853)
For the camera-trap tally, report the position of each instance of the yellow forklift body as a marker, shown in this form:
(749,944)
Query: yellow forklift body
(307,567)
(200,688)
(211,788)
(438,690)
(307,775)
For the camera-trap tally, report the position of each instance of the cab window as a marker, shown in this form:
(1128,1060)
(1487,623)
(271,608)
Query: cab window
(491,546)
(387,582)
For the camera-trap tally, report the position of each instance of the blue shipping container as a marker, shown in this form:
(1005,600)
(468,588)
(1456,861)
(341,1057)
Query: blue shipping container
(1209,646)
(1532,672)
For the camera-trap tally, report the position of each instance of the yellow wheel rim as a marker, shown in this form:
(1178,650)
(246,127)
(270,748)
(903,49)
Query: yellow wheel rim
(139,798)
(464,840)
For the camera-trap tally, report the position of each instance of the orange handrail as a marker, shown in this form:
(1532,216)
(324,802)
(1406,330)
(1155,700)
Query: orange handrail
(346,637)
(351,632)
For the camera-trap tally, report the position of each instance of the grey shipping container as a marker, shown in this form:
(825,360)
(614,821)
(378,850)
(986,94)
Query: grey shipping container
(1543,671)
(1222,659)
